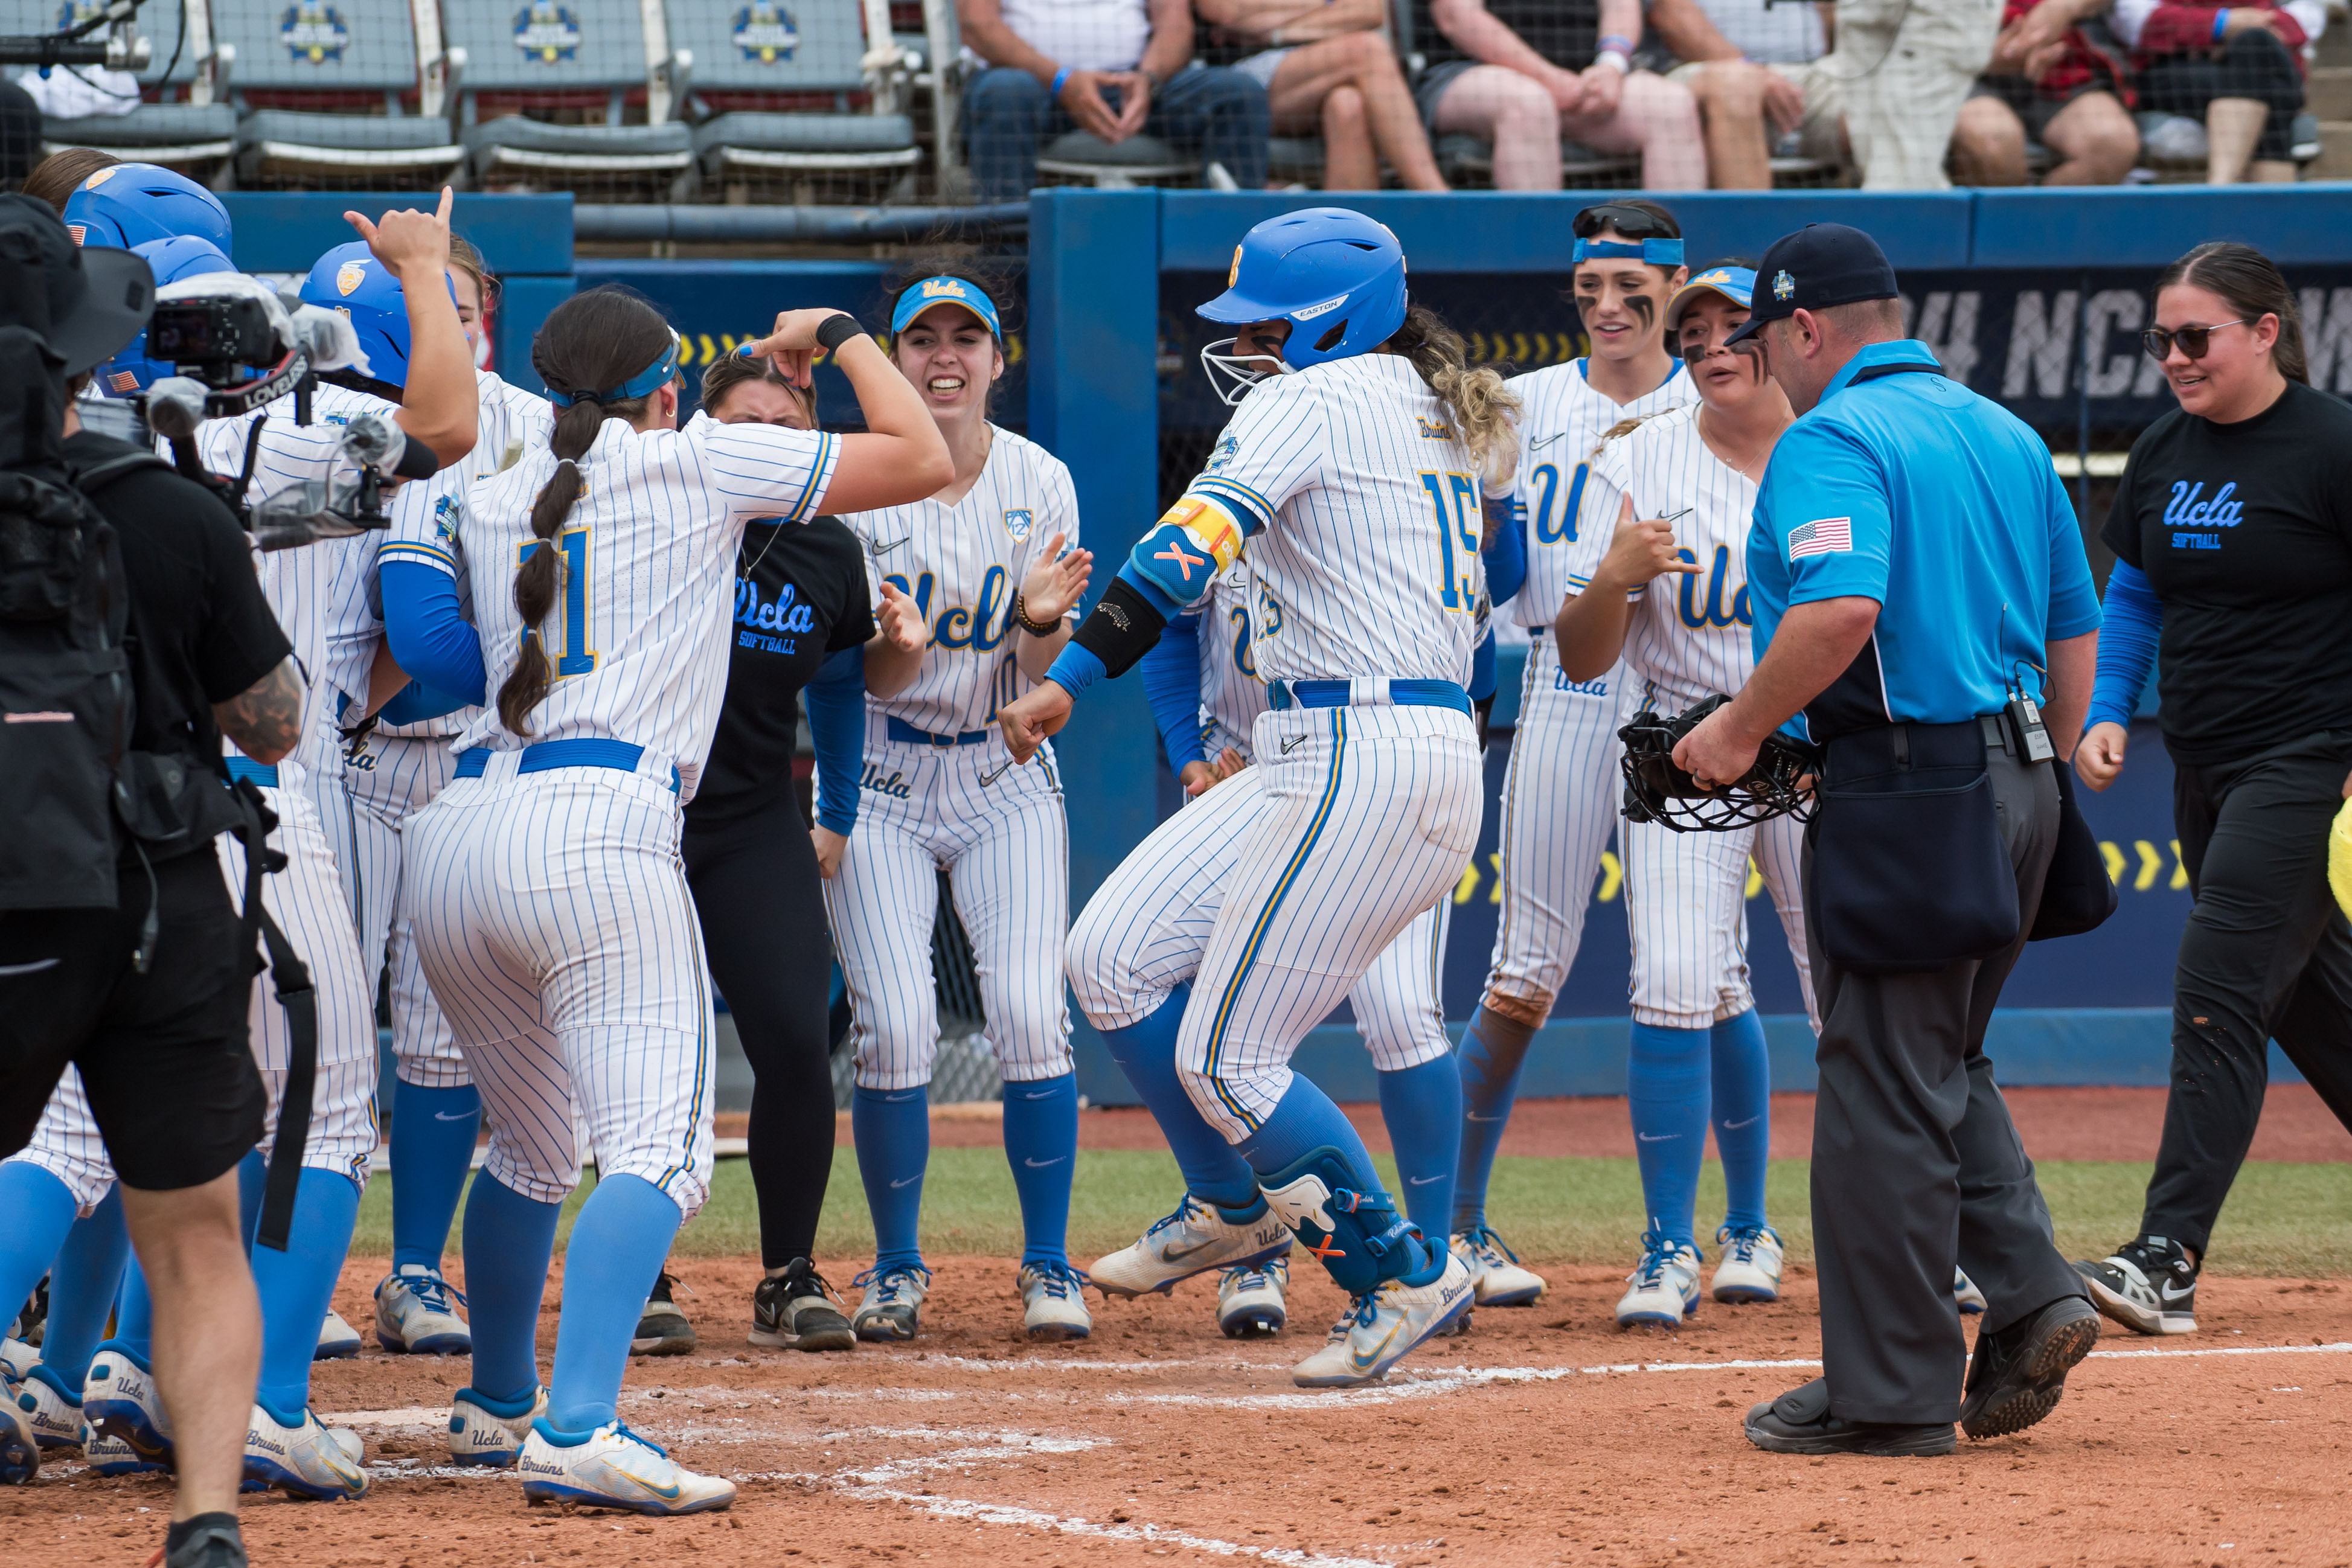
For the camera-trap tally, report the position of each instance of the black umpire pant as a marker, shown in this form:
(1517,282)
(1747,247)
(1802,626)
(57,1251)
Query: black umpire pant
(1915,1162)
(2266,955)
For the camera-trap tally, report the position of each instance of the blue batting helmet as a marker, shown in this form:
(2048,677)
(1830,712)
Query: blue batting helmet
(127,205)
(1336,276)
(182,256)
(349,279)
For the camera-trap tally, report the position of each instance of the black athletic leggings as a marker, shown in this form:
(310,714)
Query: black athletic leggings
(2266,955)
(2254,65)
(755,891)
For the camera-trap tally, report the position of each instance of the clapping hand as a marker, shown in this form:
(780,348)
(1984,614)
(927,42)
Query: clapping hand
(1056,583)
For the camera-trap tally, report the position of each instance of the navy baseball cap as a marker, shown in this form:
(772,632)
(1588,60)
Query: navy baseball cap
(1820,264)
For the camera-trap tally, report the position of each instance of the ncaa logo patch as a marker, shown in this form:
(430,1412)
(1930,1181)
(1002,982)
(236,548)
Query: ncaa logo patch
(1018,521)
(101,178)
(1783,285)
(349,277)
(1227,450)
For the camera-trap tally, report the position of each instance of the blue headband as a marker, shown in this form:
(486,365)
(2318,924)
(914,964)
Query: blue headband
(921,296)
(1656,252)
(653,377)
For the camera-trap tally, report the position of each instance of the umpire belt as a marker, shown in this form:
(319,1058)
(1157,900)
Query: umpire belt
(1367,691)
(581,751)
(899,729)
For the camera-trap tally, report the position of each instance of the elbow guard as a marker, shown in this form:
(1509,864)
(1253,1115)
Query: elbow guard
(1121,629)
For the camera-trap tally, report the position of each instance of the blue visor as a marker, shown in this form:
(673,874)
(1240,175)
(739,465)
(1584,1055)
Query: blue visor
(921,296)
(1652,252)
(1736,284)
(650,380)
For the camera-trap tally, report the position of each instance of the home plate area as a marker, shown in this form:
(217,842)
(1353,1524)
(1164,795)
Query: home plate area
(1545,1434)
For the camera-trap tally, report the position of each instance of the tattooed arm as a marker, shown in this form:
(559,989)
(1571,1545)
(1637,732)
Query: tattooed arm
(265,718)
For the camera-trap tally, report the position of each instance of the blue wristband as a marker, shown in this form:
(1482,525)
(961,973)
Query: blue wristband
(1061,77)
(2220,21)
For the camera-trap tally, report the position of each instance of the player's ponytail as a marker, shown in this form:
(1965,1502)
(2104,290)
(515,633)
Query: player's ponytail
(1482,406)
(591,341)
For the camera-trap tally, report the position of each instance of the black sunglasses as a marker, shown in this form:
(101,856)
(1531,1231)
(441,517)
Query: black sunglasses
(1633,222)
(2193,340)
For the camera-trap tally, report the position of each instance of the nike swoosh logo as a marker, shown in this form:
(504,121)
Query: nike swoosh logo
(2173,1295)
(1546,441)
(1366,1363)
(30,968)
(1292,744)
(885,549)
(1170,1255)
(1734,1126)
(1422,1181)
(904,1181)
(1042,1164)
(1657,1137)
(460,1116)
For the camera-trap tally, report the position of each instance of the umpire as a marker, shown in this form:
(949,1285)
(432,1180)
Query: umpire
(1915,568)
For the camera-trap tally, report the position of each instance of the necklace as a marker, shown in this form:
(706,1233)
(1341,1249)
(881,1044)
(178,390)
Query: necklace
(1745,465)
(775,531)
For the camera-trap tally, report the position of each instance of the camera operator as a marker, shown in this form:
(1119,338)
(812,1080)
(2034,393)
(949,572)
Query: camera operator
(148,997)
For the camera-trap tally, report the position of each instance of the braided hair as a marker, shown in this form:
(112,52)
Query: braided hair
(592,341)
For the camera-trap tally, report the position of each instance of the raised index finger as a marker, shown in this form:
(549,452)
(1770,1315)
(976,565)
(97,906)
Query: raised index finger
(448,200)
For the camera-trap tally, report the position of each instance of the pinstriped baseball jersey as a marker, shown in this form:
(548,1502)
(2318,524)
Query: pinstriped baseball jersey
(1233,694)
(637,638)
(385,783)
(1372,566)
(961,562)
(1687,636)
(1559,427)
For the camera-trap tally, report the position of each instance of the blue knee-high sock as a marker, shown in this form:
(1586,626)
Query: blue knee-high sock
(297,1285)
(1743,1114)
(1041,1143)
(134,1309)
(1493,1048)
(1146,1051)
(618,1244)
(82,1286)
(433,1133)
(1423,1107)
(1667,1081)
(508,1239)
(252,1186)
(892,1128)
(36,1212)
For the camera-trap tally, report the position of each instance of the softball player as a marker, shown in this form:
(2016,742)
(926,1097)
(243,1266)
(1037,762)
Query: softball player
(1358,478)
(545,885)
(1658,578)
(1560,793)
(992,565)
(1207,696)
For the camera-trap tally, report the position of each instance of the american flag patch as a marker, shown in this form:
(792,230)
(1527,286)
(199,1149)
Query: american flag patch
(123,381)
(1822,536)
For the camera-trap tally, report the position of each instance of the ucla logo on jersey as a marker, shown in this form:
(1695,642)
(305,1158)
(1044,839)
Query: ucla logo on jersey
(1596,687)
(1724,605)
(363,759)
(349,277)
(765,33)
(1434,429)
(893,783)
(762,620)
(1783,286)
(981,627)
(547,32)
(1018,520)
(314,34)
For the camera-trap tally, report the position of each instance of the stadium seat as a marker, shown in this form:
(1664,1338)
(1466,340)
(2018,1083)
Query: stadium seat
(570,56)
(299,59)
(190,127)
(749,56)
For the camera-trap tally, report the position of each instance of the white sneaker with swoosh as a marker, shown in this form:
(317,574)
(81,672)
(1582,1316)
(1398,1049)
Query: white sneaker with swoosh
(613,1467)
(1382,1328)
(892,1307)
(416,1313)
(325,1464)
(1662,1289)
(1749,1267)
(1195,1240)
(1054,1303)
(1497,1277)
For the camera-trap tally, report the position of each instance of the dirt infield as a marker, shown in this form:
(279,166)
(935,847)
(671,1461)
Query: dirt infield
(1544,1435)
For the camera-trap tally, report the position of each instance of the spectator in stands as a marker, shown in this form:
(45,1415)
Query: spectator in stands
(2048,83)
(1111,67)
(1327,66)
(1754,69)
(1525,73)
(2239,68)
(56,177)
(1905,67)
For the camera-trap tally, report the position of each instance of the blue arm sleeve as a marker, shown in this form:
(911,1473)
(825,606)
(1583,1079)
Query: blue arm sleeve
(836,710)
(417,702)
(1506,562)
(2134,620)
(1171,684)
(429,638)
(1482,670)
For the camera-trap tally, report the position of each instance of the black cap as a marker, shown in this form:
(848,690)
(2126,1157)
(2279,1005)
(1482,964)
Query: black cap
(1820,264)
(86,303)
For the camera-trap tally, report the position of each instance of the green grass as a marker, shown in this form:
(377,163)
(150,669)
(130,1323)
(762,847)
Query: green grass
(2291,1220)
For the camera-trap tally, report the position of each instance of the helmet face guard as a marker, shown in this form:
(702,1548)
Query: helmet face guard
(1778,784)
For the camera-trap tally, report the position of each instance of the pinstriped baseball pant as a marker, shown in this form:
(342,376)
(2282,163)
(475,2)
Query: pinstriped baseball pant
(1145,929)
(1686,904)
(1370,816)
(1006,846)
(553,917)
(388,781)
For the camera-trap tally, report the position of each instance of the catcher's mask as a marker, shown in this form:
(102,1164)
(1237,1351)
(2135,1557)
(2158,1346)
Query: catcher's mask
(1658,791)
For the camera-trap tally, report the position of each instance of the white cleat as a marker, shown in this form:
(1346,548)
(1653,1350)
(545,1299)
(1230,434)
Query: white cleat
(20,1454)
(416,1314)
(1965,1294)
(1250,1303)
(480,1436)
(1054,1303)
(1748,1269)
(53,1414)
(892,1307)
(1497,1277)
(119,1400)
(324,1463)
(613,1467)
(1380,1329)
(18,1358)
(1194,1239)
(111,1456)
(1664,1289)
(338,1341)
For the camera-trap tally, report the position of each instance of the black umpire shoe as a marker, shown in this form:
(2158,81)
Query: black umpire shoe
(663,1329)
(1800,1422)
(2018,1375)
(207,1541)
(792,1311)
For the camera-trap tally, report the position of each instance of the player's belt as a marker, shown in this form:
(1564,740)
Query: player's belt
(247,768)
(900,730)
(1370,692)
(581,751)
